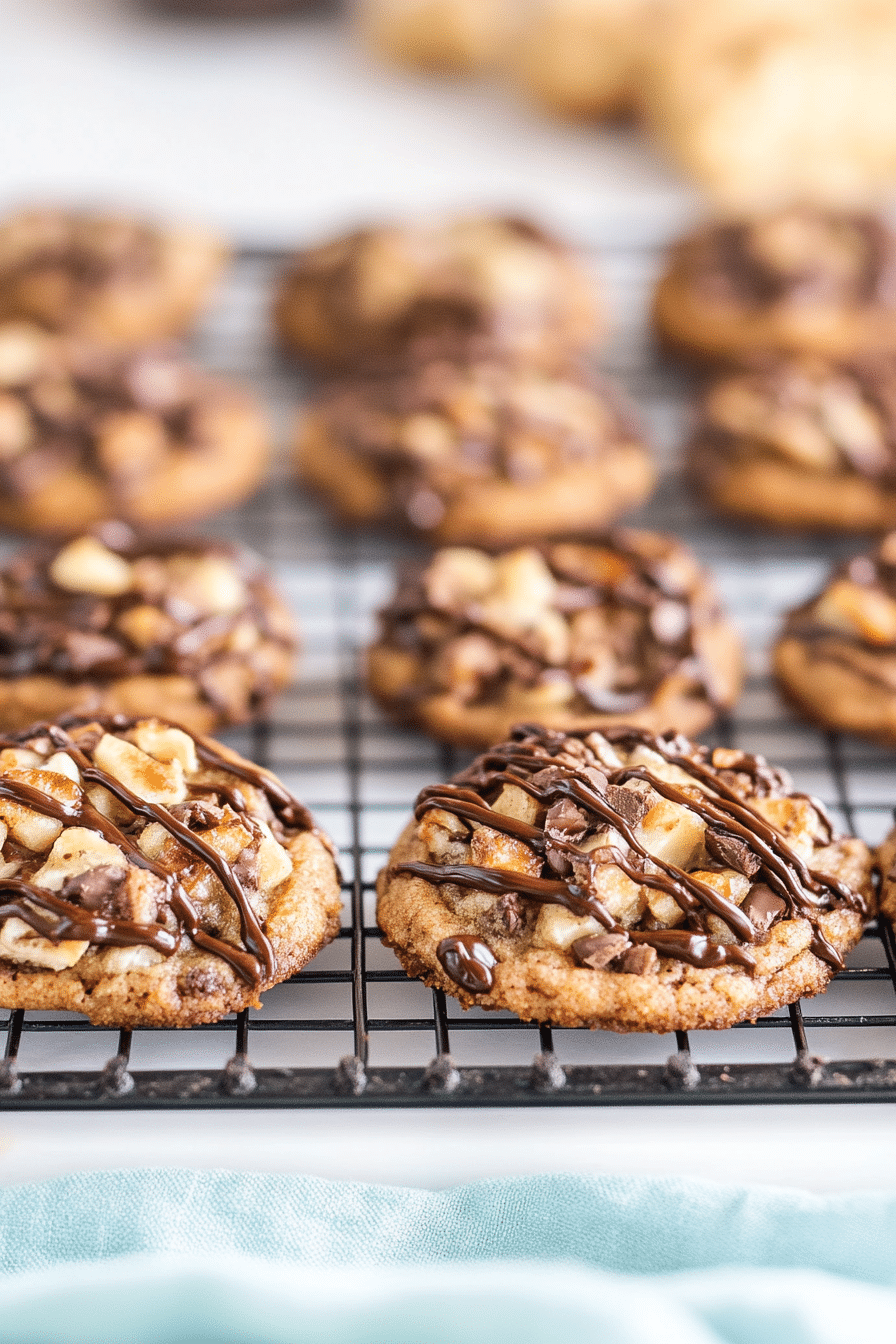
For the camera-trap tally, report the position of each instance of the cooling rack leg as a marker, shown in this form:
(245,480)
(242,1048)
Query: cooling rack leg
(807,1071)
(239,1077)
(546,1074)
(10,1083)
(681,1072)
(442,1074)
(116,1080)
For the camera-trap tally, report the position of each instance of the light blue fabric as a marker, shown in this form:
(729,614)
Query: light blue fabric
(224,1258)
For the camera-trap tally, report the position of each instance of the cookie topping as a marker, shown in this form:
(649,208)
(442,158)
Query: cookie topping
(130,833)
(120,417)
(468,961)
(441,426)
(798,257)
(816,416)
(716,852)
(110,605)
(568,625)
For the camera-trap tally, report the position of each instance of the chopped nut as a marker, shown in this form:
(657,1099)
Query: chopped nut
(31,829)
(558,927)
(15,426)
(23,351)
(516,802)
(76,851)
(491,849)
(19,943)
(208,584)
(130,442)
(87,566)
(274,863)
(664,908)
(167,744)
(61,763)
(671,832)
(153,781)
(146,626)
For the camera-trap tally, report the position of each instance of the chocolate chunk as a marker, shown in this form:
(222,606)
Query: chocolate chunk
(99,889)
(639,960)
(198,815)
(762,907)
(510,912)
(468,962)
(565,821)
(632,807)
(599,949)
(732,852)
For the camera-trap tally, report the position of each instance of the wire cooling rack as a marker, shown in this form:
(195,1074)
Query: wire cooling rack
(352,1030)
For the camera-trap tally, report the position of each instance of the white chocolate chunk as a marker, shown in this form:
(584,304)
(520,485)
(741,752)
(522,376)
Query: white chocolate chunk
(559,927)
(87,566)
(153,839)
(274,863)
(61,763)
(671,832)
(19,943)
(167,744)
(516,802)
(153,781)
(76,851)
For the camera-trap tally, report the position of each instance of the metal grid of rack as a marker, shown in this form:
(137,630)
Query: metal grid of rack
(352,1030)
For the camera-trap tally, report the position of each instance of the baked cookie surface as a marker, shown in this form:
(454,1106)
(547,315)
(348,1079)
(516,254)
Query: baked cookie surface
(770,100)
(623,881)
(152,878)
(109,624)
(369,295)
(88,434)
(800,280)
(577,636)
(835,658)
(801,443)
(109,278)
(481,450)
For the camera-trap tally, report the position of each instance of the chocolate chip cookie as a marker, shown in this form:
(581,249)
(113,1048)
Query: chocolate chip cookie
(800,280)
(576,636)
(109,278)
(150,877)
(439,36)
(88,434)
(111,624)
(499,281)
(623,881)
(482,450)
(801,443)
(835,658)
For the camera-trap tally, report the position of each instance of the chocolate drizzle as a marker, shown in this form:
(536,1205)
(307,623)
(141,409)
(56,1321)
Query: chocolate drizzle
(792,889)
(53,917)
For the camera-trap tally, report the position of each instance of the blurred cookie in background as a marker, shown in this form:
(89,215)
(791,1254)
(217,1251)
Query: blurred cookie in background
(584,58)
(475,450)
(835,659)
(111,278)
(88,433)
(368,295)
(801,443)
(768,100)
(574,636)
(436,36)
(798,279)
(113,623)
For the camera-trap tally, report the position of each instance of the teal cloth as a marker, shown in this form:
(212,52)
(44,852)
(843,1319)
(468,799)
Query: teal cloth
(226,1258)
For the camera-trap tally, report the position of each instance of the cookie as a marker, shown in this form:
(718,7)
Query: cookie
(886,861)
(110,624)
(801,280)
(623,881)
(438,36)
(583,58)
(835,658)
(770,100)
(152,878)
(108,278)
(801,443)
(87,433)
(481,450)
(369,295)
(575,636)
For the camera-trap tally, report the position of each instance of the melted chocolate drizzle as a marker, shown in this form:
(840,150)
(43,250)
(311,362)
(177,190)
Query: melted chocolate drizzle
(53,917)
(801,891)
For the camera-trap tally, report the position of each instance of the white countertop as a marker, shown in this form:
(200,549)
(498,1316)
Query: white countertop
(277,132)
